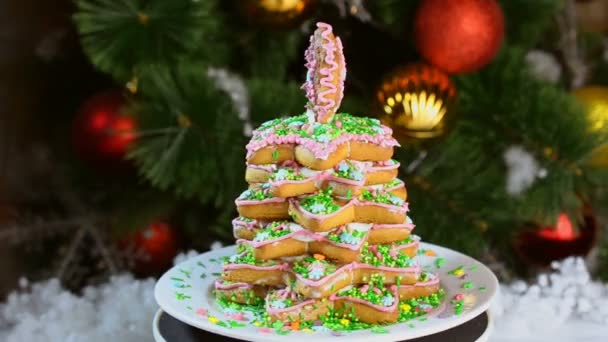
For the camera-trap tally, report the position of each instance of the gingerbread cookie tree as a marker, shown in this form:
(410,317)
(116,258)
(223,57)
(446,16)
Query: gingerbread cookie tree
(323,233)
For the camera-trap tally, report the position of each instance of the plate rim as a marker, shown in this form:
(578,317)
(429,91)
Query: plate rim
(391,336)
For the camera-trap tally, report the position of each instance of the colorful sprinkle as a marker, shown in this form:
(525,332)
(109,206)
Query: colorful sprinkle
(213,319)
(467,285)
(344,322)
(295,325)
(379,330)
(265,330)
(202,312)
(430,252)
(319,256)
(439,262)
(235,324)
(181,296)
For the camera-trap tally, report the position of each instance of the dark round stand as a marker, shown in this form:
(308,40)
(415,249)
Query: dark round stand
(169,329)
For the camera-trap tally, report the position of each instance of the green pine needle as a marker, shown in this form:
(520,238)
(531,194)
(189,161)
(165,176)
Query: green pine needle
(121,36)
(197,149)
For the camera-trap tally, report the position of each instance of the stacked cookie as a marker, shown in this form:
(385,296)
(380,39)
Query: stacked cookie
(323,229)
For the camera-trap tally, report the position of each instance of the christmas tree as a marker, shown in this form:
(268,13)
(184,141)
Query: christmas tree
(499,110)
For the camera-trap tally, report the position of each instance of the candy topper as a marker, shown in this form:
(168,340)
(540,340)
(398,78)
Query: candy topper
(324,84)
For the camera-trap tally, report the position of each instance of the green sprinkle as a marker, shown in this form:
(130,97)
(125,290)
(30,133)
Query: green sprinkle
(275,155)
(216,274)
(467,285)
(177,279)
(458,271)
(283,331)
(379,330)
(472,268)
(411,325)
(189,307)
(213,260)
(181,296)
(321,203)
(349,194)
(235,324)
(483,288)
(203,275)
(201,264)
(439,262)
(223,324)
(185,273)
(381,197)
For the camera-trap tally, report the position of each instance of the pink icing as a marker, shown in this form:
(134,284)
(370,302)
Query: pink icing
(272,311)
(406,225)
(386,164)
(264,201)
(321,103)
(296,204)
(433,281)
(333,178)
(318,149)
(364,289)
(287,181)
(409,245)
(353,266)
(281,267)
(221,286)
(391,308)
(239,223)
(303,232)
(403,208)
(265,167)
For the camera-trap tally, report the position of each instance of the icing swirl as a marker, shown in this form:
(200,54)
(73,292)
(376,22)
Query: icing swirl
(324,84)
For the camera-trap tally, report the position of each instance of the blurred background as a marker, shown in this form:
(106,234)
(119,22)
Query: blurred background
(123,124)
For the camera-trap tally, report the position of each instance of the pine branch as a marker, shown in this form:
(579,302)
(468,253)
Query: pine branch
(121,36)
(201,154)
(270,98)
(527,21)
(546,120)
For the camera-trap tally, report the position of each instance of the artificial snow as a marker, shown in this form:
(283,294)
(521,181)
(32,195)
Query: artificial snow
(522,170)
(565,305)
(235,87)
(120,310)
(544,66)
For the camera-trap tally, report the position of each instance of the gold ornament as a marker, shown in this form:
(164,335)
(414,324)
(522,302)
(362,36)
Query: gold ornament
(595,100)
(592,15)
(415,102)
(277,13)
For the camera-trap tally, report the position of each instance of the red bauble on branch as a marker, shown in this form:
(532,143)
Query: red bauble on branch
(154,248)
(103,132)
(542,245)
(459,36)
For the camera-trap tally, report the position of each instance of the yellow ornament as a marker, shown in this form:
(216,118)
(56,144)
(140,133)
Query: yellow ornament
(405,307)
(277,13)
(415,101)
(595,100)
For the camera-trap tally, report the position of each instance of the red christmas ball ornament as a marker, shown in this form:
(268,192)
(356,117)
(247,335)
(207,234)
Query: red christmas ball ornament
(459,36)
(154,248)
(542,245)
(102,132)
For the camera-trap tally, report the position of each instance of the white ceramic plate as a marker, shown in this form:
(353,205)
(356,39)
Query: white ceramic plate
(184,292)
